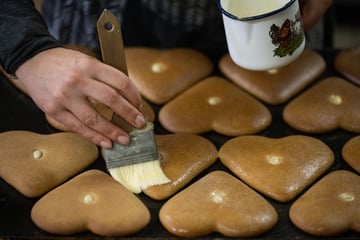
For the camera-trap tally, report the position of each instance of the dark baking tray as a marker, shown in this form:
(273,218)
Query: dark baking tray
(18,112)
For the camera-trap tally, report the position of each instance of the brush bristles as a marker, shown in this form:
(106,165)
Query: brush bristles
(140,176)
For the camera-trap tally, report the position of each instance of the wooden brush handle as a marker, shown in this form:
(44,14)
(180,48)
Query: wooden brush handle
(112,50)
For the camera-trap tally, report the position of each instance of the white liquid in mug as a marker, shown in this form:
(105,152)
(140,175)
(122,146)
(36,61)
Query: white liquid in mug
(250,8)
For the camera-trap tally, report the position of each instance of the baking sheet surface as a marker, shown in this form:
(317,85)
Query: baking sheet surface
(19,113)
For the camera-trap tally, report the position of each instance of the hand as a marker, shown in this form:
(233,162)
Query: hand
(61,82)
(312,11)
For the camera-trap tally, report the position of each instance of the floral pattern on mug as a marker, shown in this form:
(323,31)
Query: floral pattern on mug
(287,37)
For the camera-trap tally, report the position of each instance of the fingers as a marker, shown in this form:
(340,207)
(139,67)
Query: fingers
(61,82)
(76,125)
(89,117)
(108,86)
(113,88)
(120,82)
(89,123)
(116,95)
(312,11)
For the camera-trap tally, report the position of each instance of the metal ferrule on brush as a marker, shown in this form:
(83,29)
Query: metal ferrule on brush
(142,148)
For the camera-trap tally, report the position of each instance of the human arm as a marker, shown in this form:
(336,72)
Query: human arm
(23,33)
(61,81)
(312,11)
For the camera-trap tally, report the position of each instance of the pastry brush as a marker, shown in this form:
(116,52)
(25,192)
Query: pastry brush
(137,165)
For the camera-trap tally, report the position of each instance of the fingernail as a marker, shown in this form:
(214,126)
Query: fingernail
(123,140)
(139,121)
(105,144)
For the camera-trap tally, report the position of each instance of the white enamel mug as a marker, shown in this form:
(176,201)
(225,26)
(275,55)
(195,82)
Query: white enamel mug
(263,34)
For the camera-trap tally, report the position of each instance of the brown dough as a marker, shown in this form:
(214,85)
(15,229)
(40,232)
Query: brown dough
(277,85)
(183,156)
(91,201)
(279,168)
(330,207)
(161,74)
(36,163)
(331,104)
(351,153)
(220,203)
(215,104)
(347,62)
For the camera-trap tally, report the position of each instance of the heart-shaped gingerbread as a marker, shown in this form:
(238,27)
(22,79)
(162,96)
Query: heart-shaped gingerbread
(330,207)
(276,86)
(91,201)
(351,153)
(332,103)
(215,104)
(161,74)
(347,63)
(36,163)
(218,202)
(183,156)
(279,168)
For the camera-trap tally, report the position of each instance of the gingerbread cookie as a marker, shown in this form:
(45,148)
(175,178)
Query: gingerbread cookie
(347,63)
(183,156)
(330,104)
(220,203)
(276,86)
(36,163)
(161,74)
(330,207)
(351,153)
(91,201)
(279,168)
(218,105)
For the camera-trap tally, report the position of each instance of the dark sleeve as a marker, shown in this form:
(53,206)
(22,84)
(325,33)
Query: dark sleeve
(23,33)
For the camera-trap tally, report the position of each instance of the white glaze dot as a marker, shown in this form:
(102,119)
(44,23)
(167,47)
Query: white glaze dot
(347,197)
(273,71)
(217,197)
(335,99)
(273,159)
(37,154)
(158,67)
(88,198)
(214,101)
